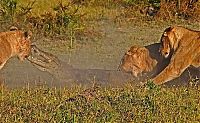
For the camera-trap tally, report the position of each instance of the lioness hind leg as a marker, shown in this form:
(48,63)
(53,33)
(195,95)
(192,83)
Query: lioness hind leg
(176,66)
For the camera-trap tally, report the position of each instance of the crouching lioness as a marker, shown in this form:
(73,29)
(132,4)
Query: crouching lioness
(137,60)
(14,43)
(143,59)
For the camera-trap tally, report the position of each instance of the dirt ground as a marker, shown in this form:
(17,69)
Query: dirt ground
(101,52)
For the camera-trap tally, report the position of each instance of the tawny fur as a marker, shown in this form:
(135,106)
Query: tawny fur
(14,43)
(137,60)
(184,46)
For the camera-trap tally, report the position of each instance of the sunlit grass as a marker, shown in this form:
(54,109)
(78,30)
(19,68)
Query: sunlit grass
(40,6)
(126,104)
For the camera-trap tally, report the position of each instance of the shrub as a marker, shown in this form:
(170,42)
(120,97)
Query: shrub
(185,9)
(8,9)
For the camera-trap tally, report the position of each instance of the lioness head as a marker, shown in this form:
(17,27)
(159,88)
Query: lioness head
(24,45)
(165,46)
(170,39)
(137,60)
(23,48)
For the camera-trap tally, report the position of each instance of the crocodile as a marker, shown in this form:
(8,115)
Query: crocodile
(64,72)
(48,62)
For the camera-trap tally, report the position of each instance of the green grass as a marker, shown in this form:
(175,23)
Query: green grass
(126,104)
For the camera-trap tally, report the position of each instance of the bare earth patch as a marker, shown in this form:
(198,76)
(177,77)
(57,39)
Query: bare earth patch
(100,52)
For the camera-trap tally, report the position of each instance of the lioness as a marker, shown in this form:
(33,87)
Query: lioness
(184,47)
(137,60)
(143,59)
(14,43)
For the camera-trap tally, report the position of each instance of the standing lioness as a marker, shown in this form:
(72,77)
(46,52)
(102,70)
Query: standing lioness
(14,43)
(184,46)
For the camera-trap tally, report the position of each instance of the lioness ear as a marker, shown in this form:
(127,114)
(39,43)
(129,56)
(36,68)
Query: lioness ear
(28,34)
(129,53)
(144,53)
(143,50)
(13,28)
(167,30)
(165,34)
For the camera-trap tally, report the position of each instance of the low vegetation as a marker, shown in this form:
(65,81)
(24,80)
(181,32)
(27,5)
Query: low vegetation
(97,104)
(68,17)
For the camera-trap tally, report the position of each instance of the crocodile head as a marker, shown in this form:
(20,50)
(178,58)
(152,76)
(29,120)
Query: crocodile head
(44,61)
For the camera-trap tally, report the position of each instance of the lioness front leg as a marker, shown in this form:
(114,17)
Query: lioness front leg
(2,64)
(176,67)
